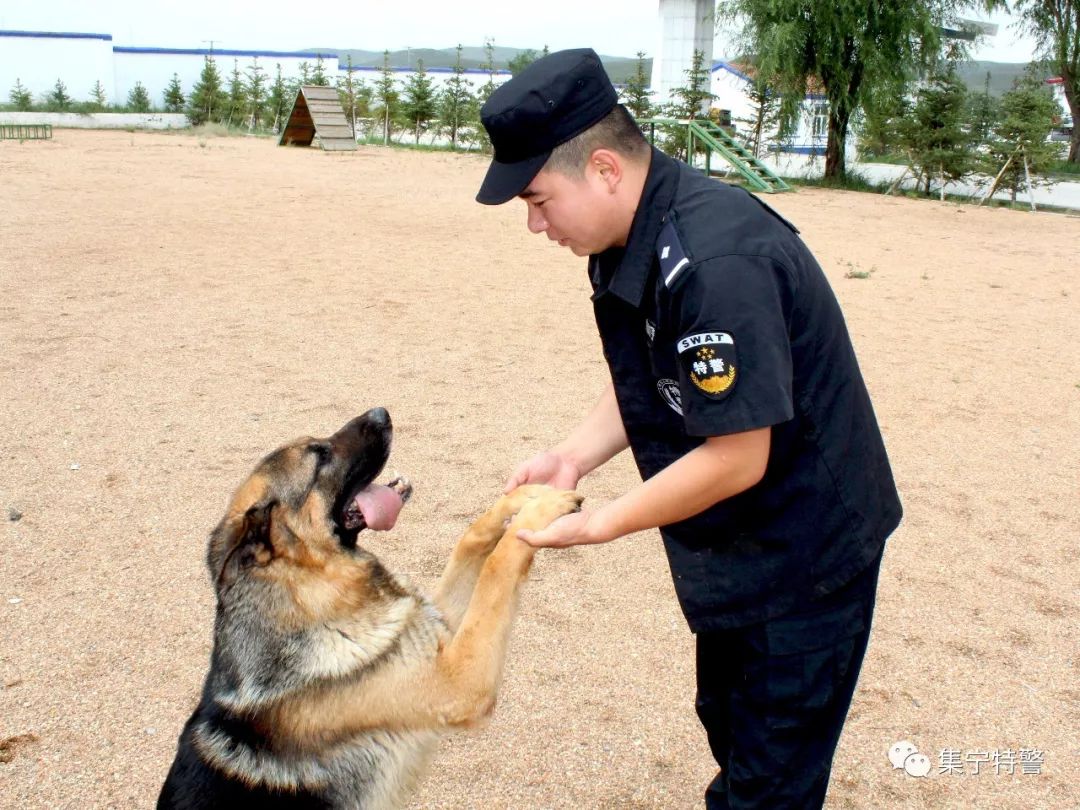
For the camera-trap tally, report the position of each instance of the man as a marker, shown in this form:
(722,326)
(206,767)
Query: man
(734,383)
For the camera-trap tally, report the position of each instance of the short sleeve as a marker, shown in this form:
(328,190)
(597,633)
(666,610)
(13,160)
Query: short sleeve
(732,345)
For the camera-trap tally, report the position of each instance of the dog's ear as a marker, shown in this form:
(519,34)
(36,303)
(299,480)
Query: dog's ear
(238,544)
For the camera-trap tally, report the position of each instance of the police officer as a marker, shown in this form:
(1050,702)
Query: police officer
(735,385)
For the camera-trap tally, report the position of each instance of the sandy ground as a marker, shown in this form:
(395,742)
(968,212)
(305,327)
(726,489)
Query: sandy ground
(173,308)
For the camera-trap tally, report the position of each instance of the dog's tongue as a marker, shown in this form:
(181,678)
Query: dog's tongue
(379,505)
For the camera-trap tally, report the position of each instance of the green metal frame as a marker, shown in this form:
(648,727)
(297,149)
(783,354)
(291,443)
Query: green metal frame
(715,139)
(25,132)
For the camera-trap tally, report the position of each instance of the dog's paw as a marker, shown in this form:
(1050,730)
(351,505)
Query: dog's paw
(545,507)
(510,504)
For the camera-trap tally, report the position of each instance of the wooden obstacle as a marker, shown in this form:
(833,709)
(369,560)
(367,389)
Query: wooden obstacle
(317,111)
(25,132)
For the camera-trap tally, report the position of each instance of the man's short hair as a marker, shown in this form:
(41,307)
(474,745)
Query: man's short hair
(617,131)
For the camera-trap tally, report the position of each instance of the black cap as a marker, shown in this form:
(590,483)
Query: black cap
(552,100)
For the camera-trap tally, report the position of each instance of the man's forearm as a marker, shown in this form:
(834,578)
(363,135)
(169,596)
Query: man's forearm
(600,436)
(722,467)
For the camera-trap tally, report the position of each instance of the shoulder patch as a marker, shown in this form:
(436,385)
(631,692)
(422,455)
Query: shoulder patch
(670,252)
(709,362)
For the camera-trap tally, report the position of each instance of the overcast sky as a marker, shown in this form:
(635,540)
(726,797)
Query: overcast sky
(613,27)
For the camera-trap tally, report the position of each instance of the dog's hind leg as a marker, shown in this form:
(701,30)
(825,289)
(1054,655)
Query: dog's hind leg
(458,579)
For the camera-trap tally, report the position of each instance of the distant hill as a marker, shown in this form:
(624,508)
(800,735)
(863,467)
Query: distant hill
(619,68)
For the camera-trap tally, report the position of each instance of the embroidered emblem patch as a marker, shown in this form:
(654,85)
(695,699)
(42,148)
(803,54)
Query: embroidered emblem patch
(670,393)
(709,361)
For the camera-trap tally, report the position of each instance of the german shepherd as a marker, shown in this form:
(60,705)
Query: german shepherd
(331,679)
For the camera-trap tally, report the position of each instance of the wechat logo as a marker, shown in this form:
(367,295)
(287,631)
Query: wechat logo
(905,755)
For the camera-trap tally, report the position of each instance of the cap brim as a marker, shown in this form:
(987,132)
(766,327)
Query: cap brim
(504,181)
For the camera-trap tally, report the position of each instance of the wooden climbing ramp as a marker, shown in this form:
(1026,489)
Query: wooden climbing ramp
(317,111)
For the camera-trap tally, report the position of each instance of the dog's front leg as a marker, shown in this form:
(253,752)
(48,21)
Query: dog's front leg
(462,570)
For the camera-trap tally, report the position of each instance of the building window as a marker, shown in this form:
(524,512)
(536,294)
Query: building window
(820,121)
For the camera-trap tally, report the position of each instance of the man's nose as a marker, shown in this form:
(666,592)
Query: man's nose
(536,221)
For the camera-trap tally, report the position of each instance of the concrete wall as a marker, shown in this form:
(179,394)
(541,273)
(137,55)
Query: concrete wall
(99,120)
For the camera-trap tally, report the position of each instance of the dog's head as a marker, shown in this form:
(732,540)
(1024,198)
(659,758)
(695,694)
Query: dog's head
(304,505)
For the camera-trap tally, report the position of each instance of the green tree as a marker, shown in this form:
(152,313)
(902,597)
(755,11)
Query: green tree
(765,115)
(237,101)
(635,93)
(1027,116)
(206,100)
(386,97)
(305,73)
(138,99)
(418,102)
(690,101)
(98,99)
(934,134)
(318,76)
(174,95)
(483,94)
(279,101)
(256,92)
(346,87)
(58,99)
(983,111)
(454,102)
(852,49)
(522,61)
(1055,27)
(21,97)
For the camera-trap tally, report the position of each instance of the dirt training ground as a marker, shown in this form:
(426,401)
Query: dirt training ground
(174,307)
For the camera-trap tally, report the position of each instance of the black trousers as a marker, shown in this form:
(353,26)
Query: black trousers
(773,698)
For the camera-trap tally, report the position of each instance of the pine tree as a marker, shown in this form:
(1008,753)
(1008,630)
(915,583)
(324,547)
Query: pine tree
(346,87)
(318,77)
(237,99)
(305,73)
(934,134)
(454,101)
(256,93)
(690,101)
(97,96)
(418,101)
(982,114)
(483,94)
(138,99)
(280,98)
(522,61)
(1027,118)
(206,100)
(59,99)
(21,97)
(386,96)
(635,93)
(174,96)
(765,117)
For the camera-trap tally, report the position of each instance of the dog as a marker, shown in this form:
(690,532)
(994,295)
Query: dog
(331,679)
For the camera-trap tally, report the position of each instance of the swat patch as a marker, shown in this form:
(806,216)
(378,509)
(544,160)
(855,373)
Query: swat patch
(671,394)
(709,361)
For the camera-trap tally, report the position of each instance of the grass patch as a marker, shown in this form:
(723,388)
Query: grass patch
(853,181)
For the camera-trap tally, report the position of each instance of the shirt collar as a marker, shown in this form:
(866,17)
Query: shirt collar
(632,270)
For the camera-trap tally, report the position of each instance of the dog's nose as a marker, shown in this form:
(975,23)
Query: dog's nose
(379,417)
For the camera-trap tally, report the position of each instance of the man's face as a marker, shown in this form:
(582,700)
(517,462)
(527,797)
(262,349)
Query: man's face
(576,212)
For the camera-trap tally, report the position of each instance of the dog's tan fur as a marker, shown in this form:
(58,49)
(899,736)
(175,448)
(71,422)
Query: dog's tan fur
(342,673)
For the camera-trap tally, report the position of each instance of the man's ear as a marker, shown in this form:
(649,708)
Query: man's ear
(607,166)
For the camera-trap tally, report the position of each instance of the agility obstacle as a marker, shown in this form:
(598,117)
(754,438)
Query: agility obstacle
(317,111)
(25,132)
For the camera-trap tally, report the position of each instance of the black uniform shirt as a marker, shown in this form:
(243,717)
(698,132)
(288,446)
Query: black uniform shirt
(716,319)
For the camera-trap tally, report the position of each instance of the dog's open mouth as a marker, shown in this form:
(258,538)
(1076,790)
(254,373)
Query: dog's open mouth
(376,506)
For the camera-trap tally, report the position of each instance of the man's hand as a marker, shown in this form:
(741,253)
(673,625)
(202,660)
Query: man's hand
(578,529)
(545,468)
